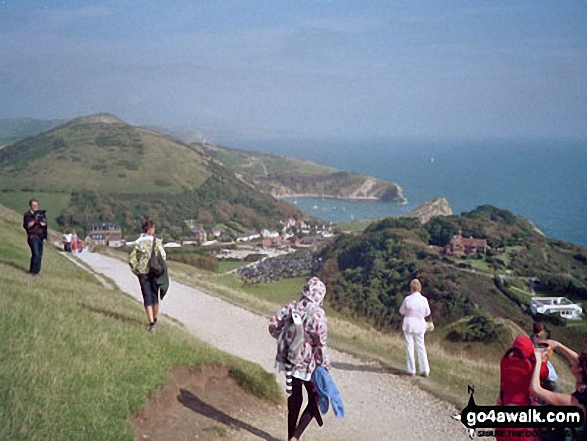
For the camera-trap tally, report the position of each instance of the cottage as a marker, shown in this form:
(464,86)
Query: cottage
(459,246)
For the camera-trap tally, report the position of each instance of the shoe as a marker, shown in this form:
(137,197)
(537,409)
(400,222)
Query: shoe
(426,374)
(152,327)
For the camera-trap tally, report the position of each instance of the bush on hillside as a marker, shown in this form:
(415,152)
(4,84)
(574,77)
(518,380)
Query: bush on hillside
(478,329)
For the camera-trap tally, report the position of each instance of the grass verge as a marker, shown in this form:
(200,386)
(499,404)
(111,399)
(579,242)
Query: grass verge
(77,360)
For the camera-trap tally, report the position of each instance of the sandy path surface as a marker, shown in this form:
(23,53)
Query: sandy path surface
(378,405)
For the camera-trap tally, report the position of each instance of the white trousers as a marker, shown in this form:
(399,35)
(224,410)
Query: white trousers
(418,339)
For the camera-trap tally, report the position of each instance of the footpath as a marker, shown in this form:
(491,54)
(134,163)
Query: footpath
(378,405)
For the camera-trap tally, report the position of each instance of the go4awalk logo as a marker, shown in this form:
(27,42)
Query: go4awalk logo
(517,420)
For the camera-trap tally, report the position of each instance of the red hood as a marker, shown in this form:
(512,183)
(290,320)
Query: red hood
(524,344)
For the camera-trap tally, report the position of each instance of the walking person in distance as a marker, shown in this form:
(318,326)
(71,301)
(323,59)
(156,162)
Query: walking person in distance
(415,309)
(139,264)
(301,330)
(35,224)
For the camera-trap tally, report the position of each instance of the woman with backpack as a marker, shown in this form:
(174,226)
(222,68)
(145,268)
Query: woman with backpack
(579,371)
(301,330)
(139,258)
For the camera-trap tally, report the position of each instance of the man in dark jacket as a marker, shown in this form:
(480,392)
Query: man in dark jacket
(35,225)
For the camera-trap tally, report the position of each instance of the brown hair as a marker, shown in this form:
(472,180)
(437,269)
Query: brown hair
(147,225)
(537,328)
(31,202)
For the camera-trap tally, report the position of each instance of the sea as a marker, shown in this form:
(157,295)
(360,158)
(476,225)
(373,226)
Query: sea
(543,180)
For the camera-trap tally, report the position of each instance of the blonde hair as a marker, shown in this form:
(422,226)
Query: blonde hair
(415,285)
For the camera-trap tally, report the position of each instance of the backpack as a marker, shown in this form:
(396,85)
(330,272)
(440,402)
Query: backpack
(291,337)
(155,265)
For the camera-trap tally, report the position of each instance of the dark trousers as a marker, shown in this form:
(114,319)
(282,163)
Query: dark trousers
(149,289)
(294,404)
(36,245)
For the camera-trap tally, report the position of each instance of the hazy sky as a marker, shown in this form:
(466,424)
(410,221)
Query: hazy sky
(248,69)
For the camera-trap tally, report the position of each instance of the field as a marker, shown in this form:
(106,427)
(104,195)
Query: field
(77,361)
(52,202)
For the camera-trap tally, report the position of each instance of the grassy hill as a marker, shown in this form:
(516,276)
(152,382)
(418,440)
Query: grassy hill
(285,176)
(77,361)
(115,172)
(369,273)
(101,152)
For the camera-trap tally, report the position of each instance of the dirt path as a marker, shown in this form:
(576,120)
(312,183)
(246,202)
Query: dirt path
(378,405)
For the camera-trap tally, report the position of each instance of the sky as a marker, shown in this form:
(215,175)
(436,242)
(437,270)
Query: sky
(302,69)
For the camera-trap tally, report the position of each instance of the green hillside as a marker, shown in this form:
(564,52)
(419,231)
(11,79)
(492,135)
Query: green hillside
(285,176)
(369,273)
(77,361)
(114,172)
(101,152)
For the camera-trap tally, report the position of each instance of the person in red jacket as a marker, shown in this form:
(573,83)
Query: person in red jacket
(516,369)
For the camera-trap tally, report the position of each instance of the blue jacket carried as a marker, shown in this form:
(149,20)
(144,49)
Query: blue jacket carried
(327,390)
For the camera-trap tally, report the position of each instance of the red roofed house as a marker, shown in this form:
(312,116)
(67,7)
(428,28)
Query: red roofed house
(460,245)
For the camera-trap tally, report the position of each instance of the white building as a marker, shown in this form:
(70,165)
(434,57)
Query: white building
(562,305)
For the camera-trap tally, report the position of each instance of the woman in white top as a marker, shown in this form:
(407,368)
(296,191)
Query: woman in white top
(414,309)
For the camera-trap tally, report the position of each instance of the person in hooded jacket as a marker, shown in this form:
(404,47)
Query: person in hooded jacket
(314,353)
(516,369)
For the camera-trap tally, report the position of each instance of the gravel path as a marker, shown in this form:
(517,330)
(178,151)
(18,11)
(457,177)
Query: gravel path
(378,405)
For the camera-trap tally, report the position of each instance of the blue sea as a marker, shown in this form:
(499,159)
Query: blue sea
(545,181)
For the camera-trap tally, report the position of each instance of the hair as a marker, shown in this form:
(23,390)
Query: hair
(31,202)
(582,361)
(537,328)
(147,225)
(415,285)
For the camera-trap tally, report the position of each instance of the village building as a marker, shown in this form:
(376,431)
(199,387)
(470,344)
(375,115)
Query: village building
(189,240)
(105,234)
(463,246)
(271,239)
(248,237)
(199,233)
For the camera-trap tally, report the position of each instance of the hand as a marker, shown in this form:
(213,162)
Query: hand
(553,344)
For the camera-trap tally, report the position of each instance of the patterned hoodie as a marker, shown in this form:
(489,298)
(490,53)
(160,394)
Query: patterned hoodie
(141,253)
(314,350)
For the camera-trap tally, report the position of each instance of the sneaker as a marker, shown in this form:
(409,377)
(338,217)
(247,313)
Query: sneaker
(152,326)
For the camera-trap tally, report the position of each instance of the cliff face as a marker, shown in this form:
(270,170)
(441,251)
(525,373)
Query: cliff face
(282,176)
(353,187)
(428,210)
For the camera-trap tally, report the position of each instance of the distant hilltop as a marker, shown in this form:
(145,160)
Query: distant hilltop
(430,209)
(98,118)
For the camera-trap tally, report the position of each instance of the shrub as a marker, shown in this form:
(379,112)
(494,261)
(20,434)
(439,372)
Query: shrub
(479,328)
